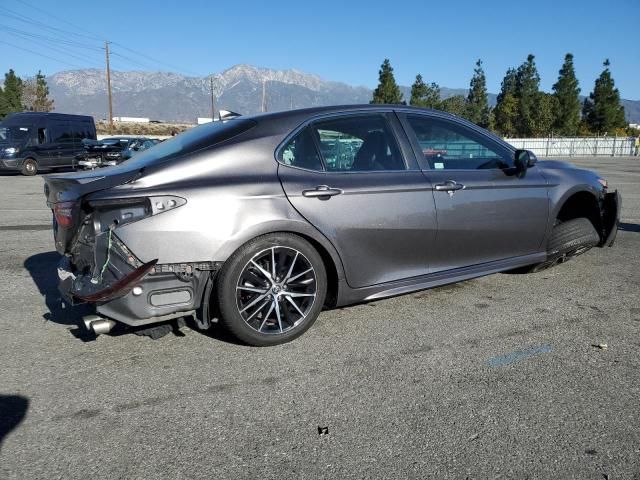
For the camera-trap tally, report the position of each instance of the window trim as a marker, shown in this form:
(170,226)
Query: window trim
(501,147)
(396,129)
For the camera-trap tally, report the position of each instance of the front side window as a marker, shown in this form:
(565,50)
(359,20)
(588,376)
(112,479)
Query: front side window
(449,146)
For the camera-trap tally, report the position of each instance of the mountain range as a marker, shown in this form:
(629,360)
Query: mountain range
(173,97)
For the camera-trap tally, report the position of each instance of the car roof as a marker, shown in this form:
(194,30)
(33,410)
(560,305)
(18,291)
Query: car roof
(61,116)
(312,111)
(287,120)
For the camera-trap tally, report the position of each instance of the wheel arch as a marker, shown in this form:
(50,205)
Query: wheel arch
(581,201)
(330,257)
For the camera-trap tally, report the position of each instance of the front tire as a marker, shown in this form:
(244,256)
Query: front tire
(568,240)
(29,167)
(272,289)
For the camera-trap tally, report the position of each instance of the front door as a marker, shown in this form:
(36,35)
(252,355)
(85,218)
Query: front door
(352,179)
(485,212)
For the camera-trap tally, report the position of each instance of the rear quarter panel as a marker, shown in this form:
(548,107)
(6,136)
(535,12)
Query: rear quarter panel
(233,195)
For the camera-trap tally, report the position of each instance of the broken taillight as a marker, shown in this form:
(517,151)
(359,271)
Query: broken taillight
(63,212)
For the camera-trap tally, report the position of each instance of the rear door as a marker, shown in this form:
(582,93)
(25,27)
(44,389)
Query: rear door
(62,136)
(485,212)
(356,181)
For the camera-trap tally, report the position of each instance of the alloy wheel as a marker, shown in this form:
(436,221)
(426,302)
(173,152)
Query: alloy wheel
(276,290)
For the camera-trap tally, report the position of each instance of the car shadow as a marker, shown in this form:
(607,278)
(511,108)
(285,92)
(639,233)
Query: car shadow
(629,227)
(43,270)
(13,409)
(215,332)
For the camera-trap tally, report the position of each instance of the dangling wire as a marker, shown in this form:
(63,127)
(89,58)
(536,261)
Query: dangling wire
(104,267)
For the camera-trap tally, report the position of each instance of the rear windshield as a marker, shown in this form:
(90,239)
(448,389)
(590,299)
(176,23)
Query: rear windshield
(191,141)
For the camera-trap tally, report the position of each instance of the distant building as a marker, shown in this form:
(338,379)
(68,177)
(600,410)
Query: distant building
(635,126)
(201,120)
(131,119)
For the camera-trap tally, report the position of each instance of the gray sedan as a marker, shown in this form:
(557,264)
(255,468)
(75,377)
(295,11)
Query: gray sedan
(258,223)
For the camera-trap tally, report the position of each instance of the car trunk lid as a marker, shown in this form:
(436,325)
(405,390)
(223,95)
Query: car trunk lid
(64,193)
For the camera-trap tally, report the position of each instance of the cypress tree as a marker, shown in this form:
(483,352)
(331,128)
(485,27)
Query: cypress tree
(423,95)
(602,109)
(527,88)
(506,108)
(12,92)
(567,94)
(477,104)
(387,90)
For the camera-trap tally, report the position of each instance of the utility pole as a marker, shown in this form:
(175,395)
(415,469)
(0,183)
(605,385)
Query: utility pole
(213,102)
(106,48)
(264,95)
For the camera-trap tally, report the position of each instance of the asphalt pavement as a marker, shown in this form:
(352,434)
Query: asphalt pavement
(506,376)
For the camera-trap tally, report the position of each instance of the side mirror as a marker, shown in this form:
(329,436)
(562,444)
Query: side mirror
(522,160)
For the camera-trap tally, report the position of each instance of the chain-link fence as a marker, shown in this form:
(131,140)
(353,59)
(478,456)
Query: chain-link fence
(576,146)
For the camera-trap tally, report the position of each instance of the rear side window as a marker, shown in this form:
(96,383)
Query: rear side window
(81,131)
(61,132)
(353,143)
(301,151)
(450,146)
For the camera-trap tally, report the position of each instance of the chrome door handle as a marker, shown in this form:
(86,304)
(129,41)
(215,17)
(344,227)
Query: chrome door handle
(449,186)
(321,191)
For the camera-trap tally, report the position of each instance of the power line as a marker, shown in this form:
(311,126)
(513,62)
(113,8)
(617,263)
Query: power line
(155,60)
(49,14)
(41,54)
(62,32)
(66,53)
(65,42)
(30,21)
(131,60)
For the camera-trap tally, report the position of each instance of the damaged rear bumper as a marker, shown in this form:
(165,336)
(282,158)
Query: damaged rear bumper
(136,293)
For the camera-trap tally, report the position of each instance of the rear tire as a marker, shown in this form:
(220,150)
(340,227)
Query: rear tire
(568,240)
(29,167)
(261,310)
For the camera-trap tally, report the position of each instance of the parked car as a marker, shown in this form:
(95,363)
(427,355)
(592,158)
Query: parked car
(111,151)
(31,141)
(246,222)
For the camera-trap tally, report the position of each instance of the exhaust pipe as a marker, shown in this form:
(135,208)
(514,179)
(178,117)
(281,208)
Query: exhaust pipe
(97,324)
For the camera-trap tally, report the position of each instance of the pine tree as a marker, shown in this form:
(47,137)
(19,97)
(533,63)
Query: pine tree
(423,95)
(455,105)
(477,102)
(4,108)
(42,102)
(544,117)
(602,109)
(505,111)
(12,92)
(567,94)
(387,90)
(418,91)
(527,88)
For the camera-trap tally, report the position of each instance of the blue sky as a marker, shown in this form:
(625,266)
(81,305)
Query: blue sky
(338,40)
